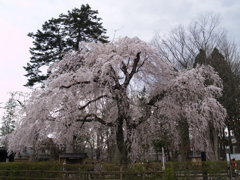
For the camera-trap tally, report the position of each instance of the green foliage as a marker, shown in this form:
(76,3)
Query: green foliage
(11,108)
(30,165)
(28,170)
(110,167)
(169,174)
(230,93)
(201,58)
(142,95)
(8,122)
(138,168)
(164,142)
(59,36)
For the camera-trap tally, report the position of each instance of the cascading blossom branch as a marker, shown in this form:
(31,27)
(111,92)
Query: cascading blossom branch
(192,97)
(99,85)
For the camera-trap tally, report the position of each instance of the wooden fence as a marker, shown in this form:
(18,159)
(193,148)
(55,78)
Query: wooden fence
(113,175)
(61,175)
(173,171)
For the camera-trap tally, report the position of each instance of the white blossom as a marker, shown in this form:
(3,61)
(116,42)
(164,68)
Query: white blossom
(99,86)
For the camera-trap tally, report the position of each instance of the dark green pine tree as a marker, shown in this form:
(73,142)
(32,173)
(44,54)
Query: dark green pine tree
(59,36)
(201,58)
(230,98)
(220,65)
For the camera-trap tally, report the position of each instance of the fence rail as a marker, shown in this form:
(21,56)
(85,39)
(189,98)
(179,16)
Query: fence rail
(80,175)
(173,171)
(113,175)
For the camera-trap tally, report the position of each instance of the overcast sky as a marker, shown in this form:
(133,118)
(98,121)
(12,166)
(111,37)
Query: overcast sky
(141,18)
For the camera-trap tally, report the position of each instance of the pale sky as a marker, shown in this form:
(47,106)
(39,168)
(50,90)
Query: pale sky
(141,18)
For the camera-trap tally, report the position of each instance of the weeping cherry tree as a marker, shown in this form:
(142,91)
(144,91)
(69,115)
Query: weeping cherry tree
(100,84)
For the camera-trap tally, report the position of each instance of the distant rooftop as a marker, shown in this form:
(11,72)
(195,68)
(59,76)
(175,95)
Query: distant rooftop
(73,156)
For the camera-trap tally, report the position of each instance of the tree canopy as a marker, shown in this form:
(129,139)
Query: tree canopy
(204,41)
(11,114)
(59,36)
(99,86)
(182,44)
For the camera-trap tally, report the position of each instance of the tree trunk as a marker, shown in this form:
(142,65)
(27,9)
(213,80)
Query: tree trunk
(237,136)
(215,144)
(121,144)
(124,143)
(185,142)
(70,146)
(230,140)
(222,145)
(123,123)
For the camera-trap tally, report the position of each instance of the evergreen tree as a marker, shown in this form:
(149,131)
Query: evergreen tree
(8,119)
(11,109)
(228,98)
(220,65)
(59,36)
(201,58)
(217,61)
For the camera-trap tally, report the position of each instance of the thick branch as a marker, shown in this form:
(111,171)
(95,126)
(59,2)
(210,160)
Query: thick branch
(76,83)
(144,118)
(148,109)
(94,117)
(115,78)
(124,69)
(156,98)
(134,70)
(94,100)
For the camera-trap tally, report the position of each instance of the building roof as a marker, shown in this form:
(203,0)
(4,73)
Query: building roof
(73,156)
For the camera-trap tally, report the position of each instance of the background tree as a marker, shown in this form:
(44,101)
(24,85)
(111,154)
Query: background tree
(182,45)
(203,41)
(11,108)
(220,65)
(59,36)
(112,75)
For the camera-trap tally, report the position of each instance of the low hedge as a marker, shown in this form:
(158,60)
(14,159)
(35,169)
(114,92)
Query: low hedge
(49,169)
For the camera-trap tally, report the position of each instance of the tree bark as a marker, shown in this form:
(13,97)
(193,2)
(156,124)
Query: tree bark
(185,141)
(120,141)
(70,146)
